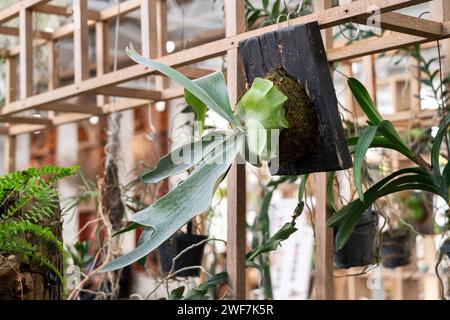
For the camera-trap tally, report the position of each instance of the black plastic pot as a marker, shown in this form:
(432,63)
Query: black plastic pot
(173,246)
(396,248)
(359,250)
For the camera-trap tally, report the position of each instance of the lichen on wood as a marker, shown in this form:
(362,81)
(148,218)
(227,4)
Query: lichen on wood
(302,136)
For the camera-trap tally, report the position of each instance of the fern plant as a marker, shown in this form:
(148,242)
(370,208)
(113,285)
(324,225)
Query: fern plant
(28,202)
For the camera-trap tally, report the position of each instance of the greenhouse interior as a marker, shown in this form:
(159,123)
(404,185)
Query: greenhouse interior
(224,150)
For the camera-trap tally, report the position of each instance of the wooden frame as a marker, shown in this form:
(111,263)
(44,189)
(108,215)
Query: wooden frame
(405,31)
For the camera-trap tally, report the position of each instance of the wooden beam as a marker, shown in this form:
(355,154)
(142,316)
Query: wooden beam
(81,41)
(10,31)
(149,21)
(236,202)
(124,8)
(102,53)
(389,41)
(406,24)
(330,17)
(4,130)
(324,265)
(10,154)
(14,10)
(52,56)
(10,79)
(26,120)
(131,93)
(82,108)
(26,53)
(194,73)
(65,11)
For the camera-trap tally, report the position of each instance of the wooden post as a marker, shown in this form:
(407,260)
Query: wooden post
(10,79)
(10,154)
(81,41)
(324,235)
(154,38)
(149,26)
(53,78)
(236,212)
(102,53)
(370,76)
(10,96)
(26,52)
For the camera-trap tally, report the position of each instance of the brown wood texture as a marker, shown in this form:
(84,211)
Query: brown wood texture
(300,52)
(236,195)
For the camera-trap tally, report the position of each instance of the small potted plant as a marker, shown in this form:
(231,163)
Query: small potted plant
(396,247)
(360,249)
(188,260)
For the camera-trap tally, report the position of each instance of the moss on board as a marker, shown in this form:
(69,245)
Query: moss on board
(302,136)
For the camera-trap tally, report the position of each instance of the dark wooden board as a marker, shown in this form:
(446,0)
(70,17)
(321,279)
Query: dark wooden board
(300,51)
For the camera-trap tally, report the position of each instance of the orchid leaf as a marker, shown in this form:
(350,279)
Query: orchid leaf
(364,100)
(364,141)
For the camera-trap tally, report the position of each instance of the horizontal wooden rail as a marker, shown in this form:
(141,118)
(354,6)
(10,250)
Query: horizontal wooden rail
(13,11)
(10,31)
(407,24)
(327,18)
(66,11)
(130,93)
(27,120)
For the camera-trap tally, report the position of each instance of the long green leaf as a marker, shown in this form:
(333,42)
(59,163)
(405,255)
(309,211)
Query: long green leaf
(215,86)
(223,110)
(273,242)
(338,217)
(191,197)
(330,195)
(199,292)
(364,100)
(362,146)
(387,129)
(184,157)
(435,150)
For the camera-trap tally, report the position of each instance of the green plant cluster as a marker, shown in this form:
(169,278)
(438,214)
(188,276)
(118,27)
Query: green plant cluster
(29,200)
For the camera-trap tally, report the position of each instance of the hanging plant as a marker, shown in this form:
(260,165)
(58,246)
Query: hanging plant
(260,113)
(381,133)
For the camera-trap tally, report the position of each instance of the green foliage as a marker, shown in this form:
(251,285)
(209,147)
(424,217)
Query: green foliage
(263,14)
(35,187)
(263,102)
(28,199)
(207,159)
(381,133)
(206,95)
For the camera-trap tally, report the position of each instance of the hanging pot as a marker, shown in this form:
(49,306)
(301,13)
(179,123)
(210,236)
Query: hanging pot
(170,248)
(359,250)
(294,59)
(395,248)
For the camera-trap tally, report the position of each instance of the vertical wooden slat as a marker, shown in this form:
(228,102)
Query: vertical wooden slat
(324,234)
(10,79)
(154,45)
(10,154)
(26,53)
(370,76)
(149,28)
(81,41)
(236,213)
(102,53)
(53,78)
